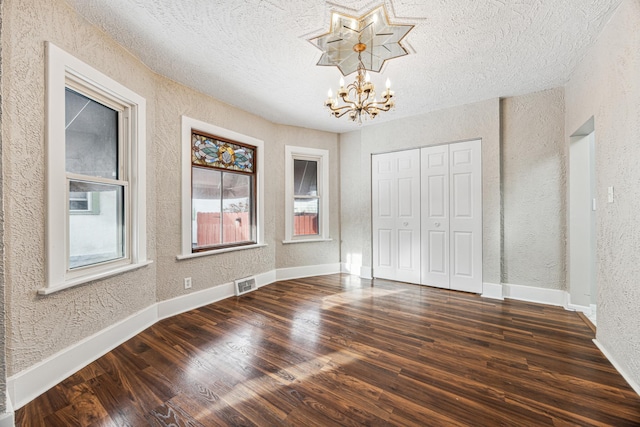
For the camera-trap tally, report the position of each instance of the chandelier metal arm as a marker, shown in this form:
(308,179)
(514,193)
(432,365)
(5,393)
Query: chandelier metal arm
(359,96)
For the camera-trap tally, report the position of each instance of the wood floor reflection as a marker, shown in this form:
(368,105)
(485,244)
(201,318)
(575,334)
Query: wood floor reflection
(339,351)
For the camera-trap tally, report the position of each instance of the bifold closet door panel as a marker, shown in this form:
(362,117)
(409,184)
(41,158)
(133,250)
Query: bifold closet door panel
(465,219)
(451,205)
(395,200)
(435,215)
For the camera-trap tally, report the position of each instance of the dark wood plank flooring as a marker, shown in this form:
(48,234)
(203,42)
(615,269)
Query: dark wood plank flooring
(340,351)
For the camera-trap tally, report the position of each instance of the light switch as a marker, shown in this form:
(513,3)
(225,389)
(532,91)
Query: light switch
(610,194)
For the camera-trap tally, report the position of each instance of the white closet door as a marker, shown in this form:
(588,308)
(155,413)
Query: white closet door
(435,216)
(396,215)
(465,195)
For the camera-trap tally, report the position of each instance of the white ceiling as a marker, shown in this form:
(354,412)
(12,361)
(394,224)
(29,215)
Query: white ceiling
(255,54)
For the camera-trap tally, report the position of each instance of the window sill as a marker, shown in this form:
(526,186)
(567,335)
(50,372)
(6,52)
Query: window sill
(92,277)
(219,251)
(288,242)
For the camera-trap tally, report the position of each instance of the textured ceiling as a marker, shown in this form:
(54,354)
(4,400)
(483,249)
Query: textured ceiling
(255,54)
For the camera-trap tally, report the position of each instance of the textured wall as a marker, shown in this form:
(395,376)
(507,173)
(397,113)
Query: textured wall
(38,326)
(479,120)
(3,361)
(173,101)
(353,204)
(534,188)
(317,253)
(606,86)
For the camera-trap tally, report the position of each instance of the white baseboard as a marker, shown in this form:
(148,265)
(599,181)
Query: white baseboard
(524,293)
(197,299)
(348,268)
(193,300)
(357,270)
(533,294)
(492,290)
(264,279)
(28,384)
(587,310)
(366,272)
(307,271)
(580,308)
(35,380)
(634,385)
(7,419)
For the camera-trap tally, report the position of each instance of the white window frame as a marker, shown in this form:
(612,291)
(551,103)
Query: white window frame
(64,70)
(322,157)
(188,126)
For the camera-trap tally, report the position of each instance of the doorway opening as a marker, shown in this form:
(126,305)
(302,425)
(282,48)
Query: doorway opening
(582,221)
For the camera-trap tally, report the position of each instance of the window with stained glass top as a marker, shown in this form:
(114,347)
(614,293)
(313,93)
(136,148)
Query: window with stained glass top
(223,185)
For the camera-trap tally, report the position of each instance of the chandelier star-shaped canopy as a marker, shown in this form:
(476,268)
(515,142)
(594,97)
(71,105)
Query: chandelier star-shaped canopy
(382,41)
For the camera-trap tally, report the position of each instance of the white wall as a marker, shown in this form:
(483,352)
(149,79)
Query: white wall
(3,366)
(316,253)
(606,85)
(534,190)
(41,326)
(523,163)
(474,121)
(37,327)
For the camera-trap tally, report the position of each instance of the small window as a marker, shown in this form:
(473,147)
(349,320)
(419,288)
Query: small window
(222,193)
(306,200)
(222,190)
(307,190)
(84,203)
(96,219)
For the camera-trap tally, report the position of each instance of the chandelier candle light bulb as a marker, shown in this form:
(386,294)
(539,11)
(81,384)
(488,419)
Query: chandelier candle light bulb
(342,92)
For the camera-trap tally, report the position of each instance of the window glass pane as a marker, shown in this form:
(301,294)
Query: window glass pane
(91,137)
(236,219)
(97,238)
(305,216)
(206,203)
(305,177)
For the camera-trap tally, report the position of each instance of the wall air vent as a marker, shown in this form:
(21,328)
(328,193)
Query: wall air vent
(245,285)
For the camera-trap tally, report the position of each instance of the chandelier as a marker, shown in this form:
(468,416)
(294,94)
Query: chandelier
(360,45)
(359,97)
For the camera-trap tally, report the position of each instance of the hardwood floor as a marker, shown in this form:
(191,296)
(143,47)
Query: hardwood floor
(338,351)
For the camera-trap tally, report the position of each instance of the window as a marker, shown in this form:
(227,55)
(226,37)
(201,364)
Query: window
(222,193)
(307,194)
(221,190)
(96,223)
(306,200)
